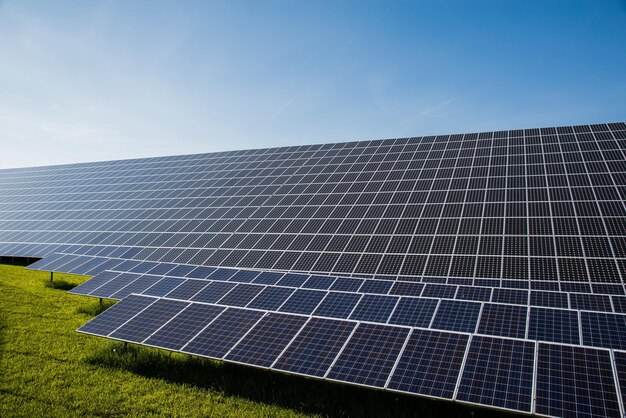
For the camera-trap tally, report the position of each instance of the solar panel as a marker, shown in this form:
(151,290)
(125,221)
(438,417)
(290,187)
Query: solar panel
(498,372)
(223,333)
(430,364)
(187,324)
(316,346)
(369,355)
(269,337)
(575,381)
(417,260)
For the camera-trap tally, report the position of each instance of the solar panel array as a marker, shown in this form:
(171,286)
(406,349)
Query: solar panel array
(485,268)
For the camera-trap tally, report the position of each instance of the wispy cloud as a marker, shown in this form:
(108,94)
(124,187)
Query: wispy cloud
(282,109)
(435,111)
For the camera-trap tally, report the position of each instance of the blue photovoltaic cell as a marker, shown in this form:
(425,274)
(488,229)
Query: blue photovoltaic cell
(181,270)
(222,274)
(243,276)
(163,286)
(303,301)
(269,337)
(406,289)
(512,296)
(603,329)
(114,285)
(480,294)
(116,315)
(374,308)
(414,312)
(588,302)
(318,282)
(176,333)
(369,355)
(292,280)
(503,320)
(498,372)
(213,292)
(575,381)
(376,286)
(271,298)
(267,277)
(337,304)
(149,320)
(439,291)
(346,284)
(201,272)
(90,285)
(430,363)
(223,333)
(138,286)
(186,290)
(241,295)
(549,299)
(316,346)
(554,325)
(454,315)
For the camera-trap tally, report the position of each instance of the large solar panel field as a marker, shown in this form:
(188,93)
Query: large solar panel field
(484,268)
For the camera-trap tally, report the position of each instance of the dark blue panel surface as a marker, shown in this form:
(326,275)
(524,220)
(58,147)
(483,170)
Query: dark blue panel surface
(95,282)
(554,325)
(116,315)
(266,341)
(575,381)
(430,364)
(337,304)
(374,308)
(271,298)
(176,333)
(369,355)
(456,315)
(241,295)
(316,346)
(498,372)
(414,312)
(303,301)
(503,320)
(149,320)
(603,329)
(223,333)
(163,286)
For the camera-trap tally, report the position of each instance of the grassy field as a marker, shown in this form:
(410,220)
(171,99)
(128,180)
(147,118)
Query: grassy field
(47,369)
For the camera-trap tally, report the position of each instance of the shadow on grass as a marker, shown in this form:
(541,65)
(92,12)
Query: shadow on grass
(298,393)
(95,308)
(60,284)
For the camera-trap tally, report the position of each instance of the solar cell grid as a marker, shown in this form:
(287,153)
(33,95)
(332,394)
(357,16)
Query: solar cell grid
(218,337)
(455,315)
(523,221)
(430,364)
(575,381)
(149,320)
(267,339)
(369,355)
(498,372)
(117,315)
(316,346)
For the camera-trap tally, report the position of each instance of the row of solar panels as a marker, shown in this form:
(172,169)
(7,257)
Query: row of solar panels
(469,368)
(541,271)
(584,295)
(297,294)
(536,136)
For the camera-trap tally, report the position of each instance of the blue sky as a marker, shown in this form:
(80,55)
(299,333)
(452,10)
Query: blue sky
(86,81)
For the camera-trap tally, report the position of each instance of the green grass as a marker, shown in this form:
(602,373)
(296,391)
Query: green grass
(47,369)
